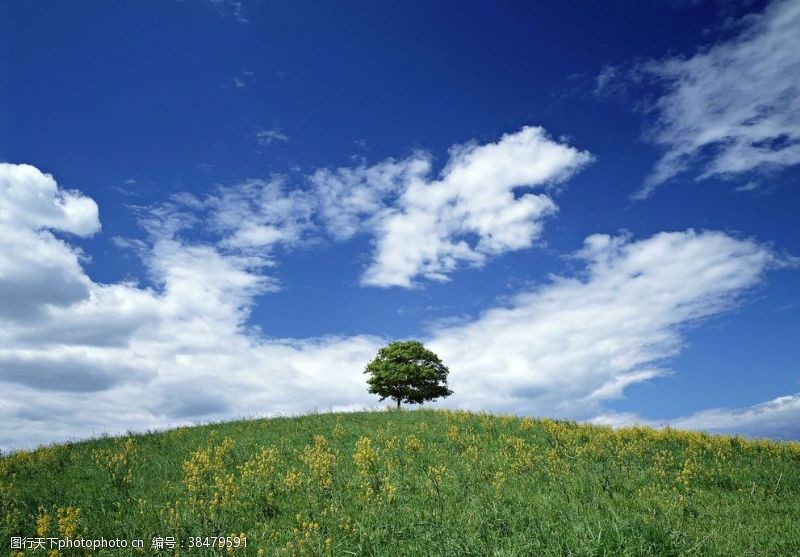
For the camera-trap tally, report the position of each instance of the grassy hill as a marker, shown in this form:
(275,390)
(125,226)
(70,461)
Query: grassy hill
(411,483)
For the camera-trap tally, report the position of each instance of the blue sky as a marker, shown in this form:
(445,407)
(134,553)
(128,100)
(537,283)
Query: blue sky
(588,212)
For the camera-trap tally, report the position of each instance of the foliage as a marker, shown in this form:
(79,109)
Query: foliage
(406,371)
(413,483)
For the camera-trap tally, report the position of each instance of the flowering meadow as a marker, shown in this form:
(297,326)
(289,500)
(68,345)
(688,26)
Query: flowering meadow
(405,483)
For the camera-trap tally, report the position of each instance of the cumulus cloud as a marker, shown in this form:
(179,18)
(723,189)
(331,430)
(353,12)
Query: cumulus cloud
(37,269)
(480,206)
(732,108)
(84,322)
(182,350)
(32,200)
(148,357)
(426,227)
(67,370)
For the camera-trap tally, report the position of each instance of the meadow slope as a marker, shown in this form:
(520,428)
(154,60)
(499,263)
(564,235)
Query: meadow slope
(410,483)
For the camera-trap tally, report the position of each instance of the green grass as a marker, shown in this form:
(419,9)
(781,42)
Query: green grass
(413,483)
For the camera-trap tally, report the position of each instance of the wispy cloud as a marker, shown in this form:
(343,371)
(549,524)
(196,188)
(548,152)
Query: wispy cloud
(253,217)
(243,80)
(779,417)
(730,109)
(268,137)
(776,418)
(565,347)
(229,8)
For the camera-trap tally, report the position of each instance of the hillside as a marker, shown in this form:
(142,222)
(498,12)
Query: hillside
(411,483)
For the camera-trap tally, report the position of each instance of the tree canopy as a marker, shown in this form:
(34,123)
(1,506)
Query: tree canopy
(406,371)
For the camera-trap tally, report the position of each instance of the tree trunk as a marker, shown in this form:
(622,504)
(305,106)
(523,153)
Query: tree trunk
(398,404)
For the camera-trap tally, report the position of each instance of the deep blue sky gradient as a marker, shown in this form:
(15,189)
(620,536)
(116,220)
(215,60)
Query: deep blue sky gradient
(97,93)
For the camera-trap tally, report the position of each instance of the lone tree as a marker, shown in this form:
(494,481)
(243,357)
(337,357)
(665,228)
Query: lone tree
(406,371)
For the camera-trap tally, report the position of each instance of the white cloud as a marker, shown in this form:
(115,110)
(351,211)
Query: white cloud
(423,227)
(608,76)
(32,200)
(779,417)
(355,199)
(78,356)
(733,108)
(254,216)
(83,321)
(262,213)
(564,348)
(776,418)
(183,350)
(66,370)
(36,268)
(268,137)
(474,210)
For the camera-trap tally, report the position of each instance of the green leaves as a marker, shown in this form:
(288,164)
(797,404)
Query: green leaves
(406,371)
